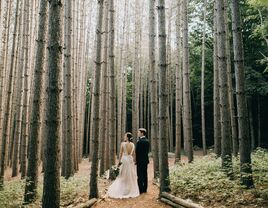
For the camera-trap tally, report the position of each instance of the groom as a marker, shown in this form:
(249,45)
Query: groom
(142,160)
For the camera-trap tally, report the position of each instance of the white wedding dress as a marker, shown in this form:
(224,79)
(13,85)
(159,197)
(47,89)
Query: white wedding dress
(125,185)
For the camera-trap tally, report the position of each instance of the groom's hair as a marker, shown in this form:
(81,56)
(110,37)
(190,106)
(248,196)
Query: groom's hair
(143,131)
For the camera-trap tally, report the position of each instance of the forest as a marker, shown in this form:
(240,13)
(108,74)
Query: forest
(76,75)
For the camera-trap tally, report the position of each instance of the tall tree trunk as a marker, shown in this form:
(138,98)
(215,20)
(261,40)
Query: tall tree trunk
(104,97)
(68,99)
(259,122)
(178,89)
(163,101)
(96,117)
(51,190)
(153,86)
(230,84)
(19,100)
(112,113)
(216,93)
(26,95)
(35,128)
(251,124)
(135,75)
(13,67)
(244,149)
(3,69)
(203,82)
(187,113)
(120,131)
(7,106)
(3,77)
(224,104)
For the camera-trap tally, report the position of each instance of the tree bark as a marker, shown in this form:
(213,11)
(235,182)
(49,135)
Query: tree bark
(37,109)
(216,93)
(163,100)
(178,88)
(112,113)
(244,149)
(203,82)
(153,86)
(187,113)
(224,104)
(4,52)
(26,95)
(69,85)
(104,98)
(230,84)
(96,117)
(51,189)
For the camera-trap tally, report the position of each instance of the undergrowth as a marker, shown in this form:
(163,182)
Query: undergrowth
(73,191)
(204,181)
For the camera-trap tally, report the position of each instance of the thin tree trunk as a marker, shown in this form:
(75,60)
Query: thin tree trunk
(13,66)
(224,104)
(187,113)
(178,86)
(105,79)
(7,106)
(19,100)
(3,69)
(112,113)
(68,99)
(26,96)
(216,98)
(244,149)
(259,122)
(203,82)
(153,86)
(135,75)
(251,124)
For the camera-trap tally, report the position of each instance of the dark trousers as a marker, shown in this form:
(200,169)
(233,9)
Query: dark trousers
(142,177)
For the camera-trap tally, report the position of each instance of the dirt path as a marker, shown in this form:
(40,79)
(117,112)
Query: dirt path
(147,200)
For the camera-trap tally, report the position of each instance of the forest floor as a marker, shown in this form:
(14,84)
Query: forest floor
(147,200)
(74,191)
(201,181)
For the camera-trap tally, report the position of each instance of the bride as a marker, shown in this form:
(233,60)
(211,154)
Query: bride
(125,185)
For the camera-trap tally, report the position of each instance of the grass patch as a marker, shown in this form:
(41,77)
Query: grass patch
(204,182)
(73,191)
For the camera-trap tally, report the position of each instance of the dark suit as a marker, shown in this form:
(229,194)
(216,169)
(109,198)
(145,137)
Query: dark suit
(142,160)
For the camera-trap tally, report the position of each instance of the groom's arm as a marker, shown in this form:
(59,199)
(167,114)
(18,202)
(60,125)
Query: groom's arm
(137,151)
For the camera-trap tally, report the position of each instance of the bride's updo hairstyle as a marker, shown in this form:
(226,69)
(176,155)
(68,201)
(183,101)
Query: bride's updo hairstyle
(129,137)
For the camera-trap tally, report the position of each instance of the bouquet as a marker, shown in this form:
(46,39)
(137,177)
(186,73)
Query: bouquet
(114,172)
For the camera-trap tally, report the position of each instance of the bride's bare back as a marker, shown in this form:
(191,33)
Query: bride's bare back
(129,148)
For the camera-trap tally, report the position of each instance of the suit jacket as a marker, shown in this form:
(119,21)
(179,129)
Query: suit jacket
(142,150)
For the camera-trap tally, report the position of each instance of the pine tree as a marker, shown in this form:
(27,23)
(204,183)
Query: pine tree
(51,189)
(244,149)
(96,117)
(37,109)
(163,101)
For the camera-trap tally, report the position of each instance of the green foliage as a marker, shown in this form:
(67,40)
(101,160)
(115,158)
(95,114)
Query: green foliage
(256,82)
(258,2)
(204,181)
(73,190)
